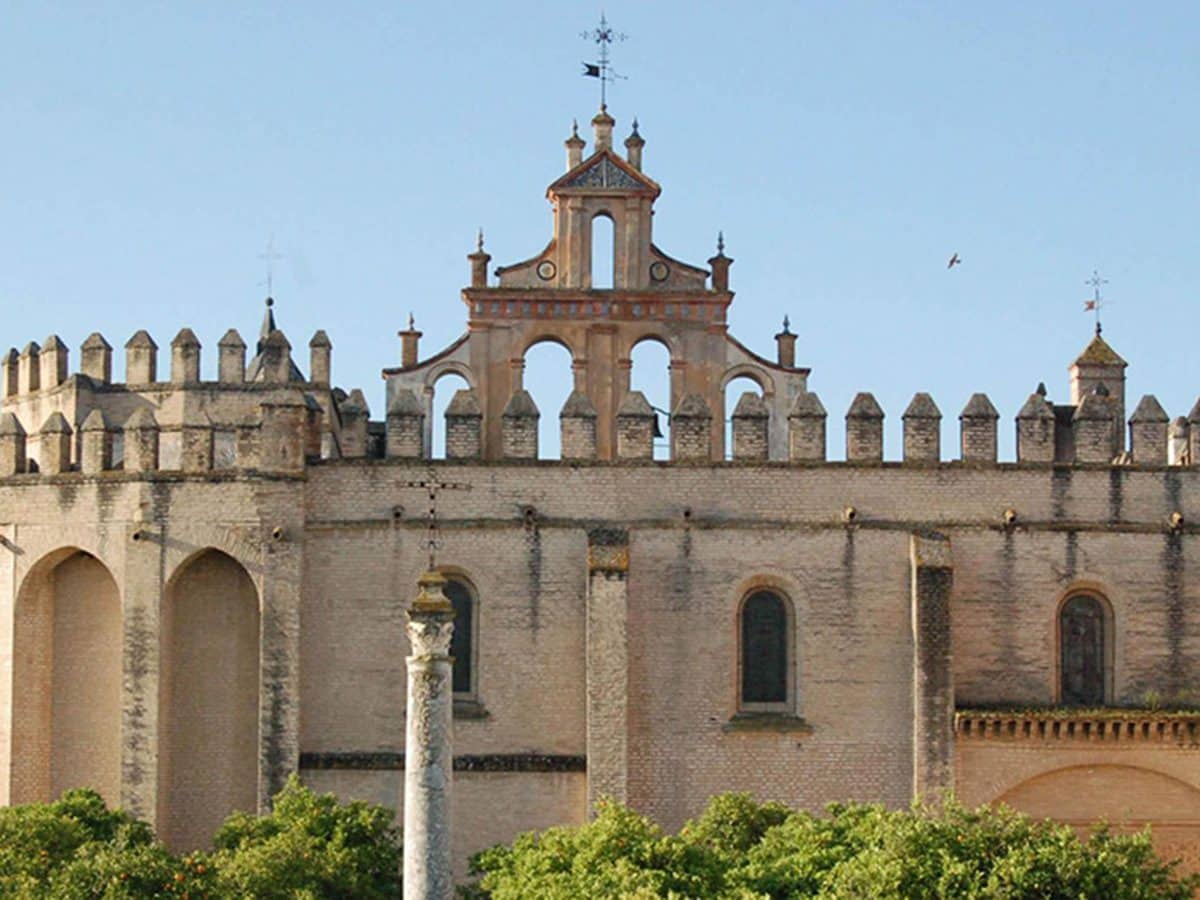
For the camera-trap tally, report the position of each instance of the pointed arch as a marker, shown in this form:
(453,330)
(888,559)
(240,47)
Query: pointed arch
(209,698)
(67,675)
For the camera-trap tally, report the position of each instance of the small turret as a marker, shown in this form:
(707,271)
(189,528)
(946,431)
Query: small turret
(141,359)
(977,430)
(751,420)
(356,416)
(185,357)
(577,423)
(785,346)
(922,430)
(95,448)
(231,358)
(95,358)
(320,358)
(1035,429)
(479,269)
(12,446)
(52,362)
(405,426)
(691,430)
(633,147)
(864,429)
(1148,432)
(574,145)
(720,266)
(519,426)
(806,429)
(11,369)
(1099,364)
(602,128)
(54,445)
(635,427)
(410,338)
(464,426)
(1095,438)
(29,374)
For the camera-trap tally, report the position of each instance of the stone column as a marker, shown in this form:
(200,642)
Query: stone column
(428,751)
(933,681)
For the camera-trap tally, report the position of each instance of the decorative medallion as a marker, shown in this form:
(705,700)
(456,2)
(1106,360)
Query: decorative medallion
(659,271)
(546,270)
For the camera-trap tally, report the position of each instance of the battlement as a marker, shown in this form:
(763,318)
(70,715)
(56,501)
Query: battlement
(54,421)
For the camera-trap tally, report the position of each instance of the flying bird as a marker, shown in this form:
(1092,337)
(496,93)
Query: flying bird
(954,261)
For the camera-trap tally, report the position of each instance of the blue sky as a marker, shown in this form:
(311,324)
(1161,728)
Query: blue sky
(845,149)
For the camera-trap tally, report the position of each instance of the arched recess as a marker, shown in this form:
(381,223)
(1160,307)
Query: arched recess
(67,673)
(1119,794)
(650,373)
(604,260)
(734,388)
(209,699)
(464,644)
(549,378)
(441,391)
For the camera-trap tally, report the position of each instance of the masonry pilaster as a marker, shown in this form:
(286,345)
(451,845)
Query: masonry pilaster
(141,598)
(608,665)
(8,598)
(933,682)
(281,514)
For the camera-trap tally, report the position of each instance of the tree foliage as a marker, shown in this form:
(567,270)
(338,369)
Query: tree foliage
(309,846)
(739,849)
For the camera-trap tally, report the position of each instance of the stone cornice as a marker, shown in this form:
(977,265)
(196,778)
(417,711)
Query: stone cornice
(1110,728)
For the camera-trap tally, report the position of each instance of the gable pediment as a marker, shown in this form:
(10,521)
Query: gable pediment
(604,171)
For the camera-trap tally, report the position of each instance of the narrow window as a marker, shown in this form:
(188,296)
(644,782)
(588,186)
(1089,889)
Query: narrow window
(603,252)
(1081,627)
(764,649)
(462,642)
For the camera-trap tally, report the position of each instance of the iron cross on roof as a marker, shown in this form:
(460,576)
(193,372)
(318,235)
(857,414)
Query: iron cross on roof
(431,484)
(602,68)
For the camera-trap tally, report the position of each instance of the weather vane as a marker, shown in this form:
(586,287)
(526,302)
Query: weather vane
(1095,303)
(270,255)
(602,68)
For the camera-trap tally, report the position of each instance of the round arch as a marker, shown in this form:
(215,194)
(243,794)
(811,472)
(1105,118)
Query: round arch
(548,337)
(464,642)
(755,373)
(67,672)
(449,367)
(210,623)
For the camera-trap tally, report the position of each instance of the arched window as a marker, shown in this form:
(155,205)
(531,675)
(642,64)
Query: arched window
(603,251)
(462,641)
(764,651)
(1082,651)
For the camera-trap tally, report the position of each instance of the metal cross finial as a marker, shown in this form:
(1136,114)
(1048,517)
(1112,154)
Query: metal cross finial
(602,68)
(1096,302)
(269,255)
(431,485)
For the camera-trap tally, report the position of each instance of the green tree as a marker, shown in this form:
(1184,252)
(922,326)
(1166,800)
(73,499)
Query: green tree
(309,846)
(738,849)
